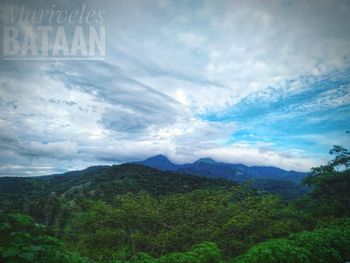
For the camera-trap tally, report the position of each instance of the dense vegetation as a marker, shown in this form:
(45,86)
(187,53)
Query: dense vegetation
(132,213)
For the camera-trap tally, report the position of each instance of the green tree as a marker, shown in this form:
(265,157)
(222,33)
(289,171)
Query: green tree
(329,244)
(331,185)
(23,241)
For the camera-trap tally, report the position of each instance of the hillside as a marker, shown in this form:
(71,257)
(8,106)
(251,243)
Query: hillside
(104,182)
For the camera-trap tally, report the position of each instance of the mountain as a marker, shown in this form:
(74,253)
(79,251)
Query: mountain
(204,167)
(160,162)
(210,168)
(164,177)
(265,178)
(213,169)
(206,160)
(275,173)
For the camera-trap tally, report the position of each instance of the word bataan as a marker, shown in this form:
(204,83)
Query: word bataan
(54,32)
(54,41)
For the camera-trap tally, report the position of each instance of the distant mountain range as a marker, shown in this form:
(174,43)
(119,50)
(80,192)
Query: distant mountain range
(156,175)
(235,172)
(267,178)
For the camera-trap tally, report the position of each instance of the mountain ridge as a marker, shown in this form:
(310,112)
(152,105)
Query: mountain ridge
(233,171)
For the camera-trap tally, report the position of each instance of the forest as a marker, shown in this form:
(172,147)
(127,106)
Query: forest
(132,213)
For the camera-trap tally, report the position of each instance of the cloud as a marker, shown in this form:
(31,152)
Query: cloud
(190,40)
(251,155)
(59,150)
(64,150)
(241,81)
(19,170)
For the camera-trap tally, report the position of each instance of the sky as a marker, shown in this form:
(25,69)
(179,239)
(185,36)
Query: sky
(252,82)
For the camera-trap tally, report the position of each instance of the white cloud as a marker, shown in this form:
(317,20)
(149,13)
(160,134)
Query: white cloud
(167,63)
(251,155)
(64,149)
(191,40)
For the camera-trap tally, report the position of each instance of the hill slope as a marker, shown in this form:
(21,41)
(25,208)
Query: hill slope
(106,182)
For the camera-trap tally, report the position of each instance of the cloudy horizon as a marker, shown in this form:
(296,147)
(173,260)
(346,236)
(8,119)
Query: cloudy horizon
(252,82)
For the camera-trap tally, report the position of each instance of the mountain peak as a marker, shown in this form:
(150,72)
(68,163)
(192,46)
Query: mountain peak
(160,162)
(205,160)
(159,157)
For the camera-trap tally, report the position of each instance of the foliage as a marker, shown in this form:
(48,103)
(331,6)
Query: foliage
(235,220)
(22,240)
(331,185)
(322,245)
(287,189)
(206,252)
